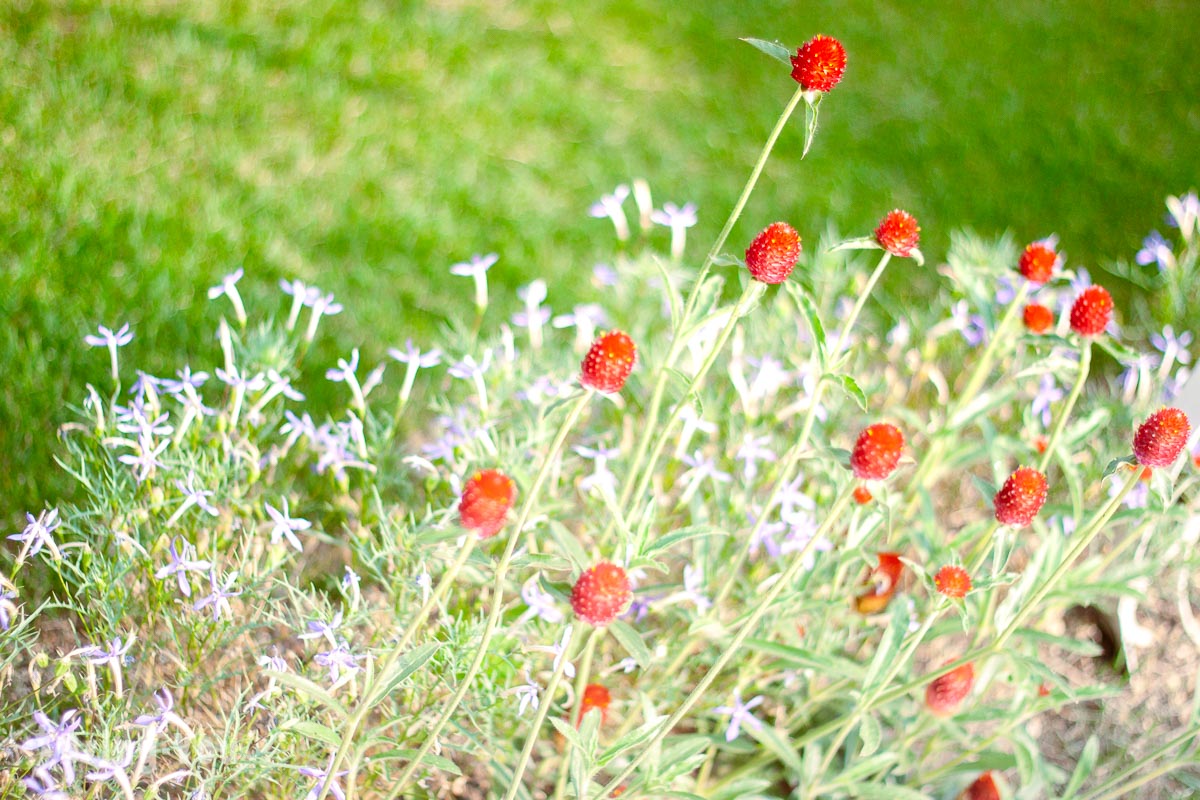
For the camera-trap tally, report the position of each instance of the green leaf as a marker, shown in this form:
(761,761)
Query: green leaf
(871,735)
(773,49)
(628,742)
(889,646)
(308,690)
(884,791)
(682,535)
(672,294)
(800,658)
(727,260)
(312,730)
(568,731)
(779,745)
(408,663)
(851,387)
(1087,761)
(809,309)
(812,108)
(444,764)
(857,243)
(1115,349)
(1116,464)
(987,489)
(570,546)
(632,642)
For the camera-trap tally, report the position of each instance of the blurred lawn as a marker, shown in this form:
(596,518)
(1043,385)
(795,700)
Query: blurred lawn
(149,148)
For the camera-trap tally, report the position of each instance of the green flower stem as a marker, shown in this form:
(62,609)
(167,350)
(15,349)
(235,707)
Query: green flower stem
(858,305)
(979,554)
(663,432)
(761,608)
(689,307)
(897,664)
(544,709)
(982,371)
(497,600)
(1123,545)
(1064,413)
(582,675)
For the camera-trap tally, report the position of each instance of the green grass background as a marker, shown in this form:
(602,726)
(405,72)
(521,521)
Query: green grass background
(148,148)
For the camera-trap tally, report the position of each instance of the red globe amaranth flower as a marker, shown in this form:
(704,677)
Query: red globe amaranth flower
(899,233)
(1021,497)
(594,696)
(819,63)
(1040,443)
(601,594)
(1037,263)
(772,255)
(883,580)
(608,362)
(485,502)
(984,788)
(1043,689)
(1091,311)
(945,693)
(862,495)
(877,451)
(1038,318)
(1161,438)
(952,581)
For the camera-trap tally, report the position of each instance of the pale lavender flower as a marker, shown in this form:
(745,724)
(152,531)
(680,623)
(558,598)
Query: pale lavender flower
(183,378)
(753,450)
(40,784)
(739,715)
(610,206)
(559,650)
(769,377)
(8,609)
(1048,393)
(601,477)
(1173,386)
(144,384)
(192,496)
(274,662)
(114,770)
(112,340)
(1006,290)
(301,295)
(765,536)
(532,316)
(36,535)
(228,287)
(468,369)
(323,305)
(345,373)
(218,598)
(477,269)
(1184,213)
(970,325)
(604,275)
(528,694)
(351,580)
(1138,496)
(113,657)
(1137,372)
(341,663)
(319,775)
(678,220)
(1172,346)
(414,360)
(801,530)
(585,319)
(539,603)
(318,629)
(181,564)
(285,526)
(900,334)
(693,582)
(1156,250)
(793,501)
(701,469)
(59,739)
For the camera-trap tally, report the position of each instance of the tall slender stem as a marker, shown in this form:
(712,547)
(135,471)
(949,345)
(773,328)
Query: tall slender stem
(497,596)
(582,675)
(1064,413)
(543,710)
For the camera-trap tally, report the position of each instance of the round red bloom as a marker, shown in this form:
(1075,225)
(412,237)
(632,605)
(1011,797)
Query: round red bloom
(594,696)
(485,502)
(877,451)
(945,693)
(1021,497)
(772,255)
(1037,263)
(1091,311)
(601,594)
(984,788)
(608,362)
(898,233)
(1161,437)
(862,495)
(1038,318)
(952,581)
(819,63)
